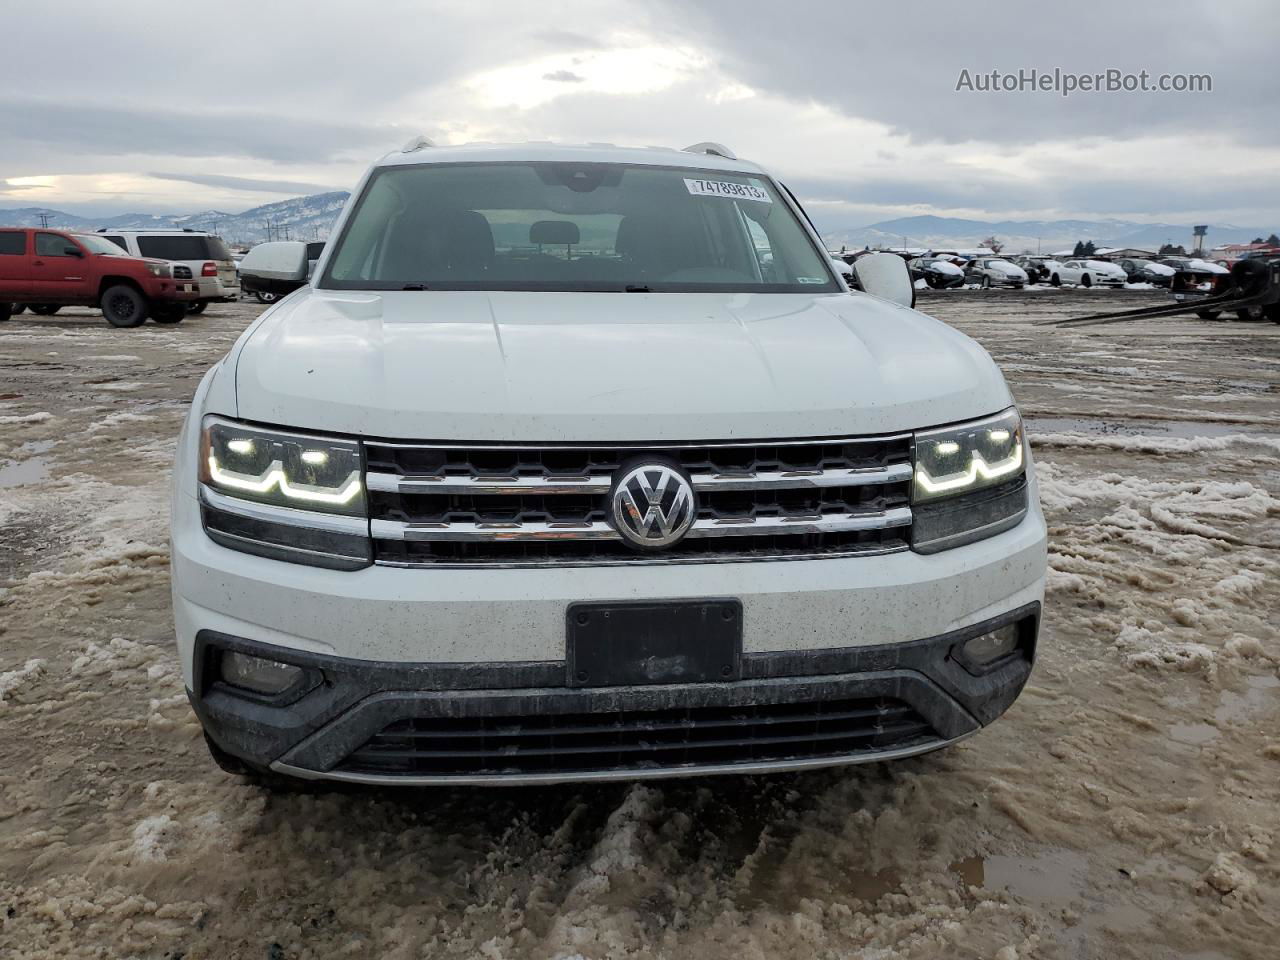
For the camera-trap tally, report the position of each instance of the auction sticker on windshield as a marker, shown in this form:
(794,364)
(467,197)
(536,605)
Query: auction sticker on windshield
(726,188)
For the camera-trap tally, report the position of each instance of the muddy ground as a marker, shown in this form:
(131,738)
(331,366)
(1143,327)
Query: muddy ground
(1127,806)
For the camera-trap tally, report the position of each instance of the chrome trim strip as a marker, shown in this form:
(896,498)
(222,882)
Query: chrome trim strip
(780,479)
(288,516)
(599,776)
(640,560)
(599,530)
(656,445)
(516,486)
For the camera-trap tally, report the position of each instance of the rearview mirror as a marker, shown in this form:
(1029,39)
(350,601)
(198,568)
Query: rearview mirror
(885,275)
(278,260)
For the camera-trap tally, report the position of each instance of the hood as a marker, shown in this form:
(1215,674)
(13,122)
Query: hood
(1009,269)
(949,269)
(611,367)
(1159,270)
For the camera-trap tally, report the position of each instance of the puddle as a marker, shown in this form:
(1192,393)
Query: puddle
(16,473)
(1053,878)
(1183,429)
(1195,734)
(1236,706)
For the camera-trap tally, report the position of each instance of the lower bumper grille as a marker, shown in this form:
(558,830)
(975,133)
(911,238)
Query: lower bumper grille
(641,740)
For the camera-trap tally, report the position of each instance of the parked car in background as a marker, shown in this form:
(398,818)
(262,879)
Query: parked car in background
(197,256)
(937,272)
(995,272)
(1146,271)
(1038,269)
(1195,279)
(50,269)
(268,277)
(1088,273)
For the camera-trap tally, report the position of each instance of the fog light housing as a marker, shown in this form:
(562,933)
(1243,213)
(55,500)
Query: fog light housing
(269,678)
(987,651)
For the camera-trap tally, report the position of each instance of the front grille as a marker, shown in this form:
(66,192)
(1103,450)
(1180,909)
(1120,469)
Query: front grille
(550,505)
(640,740)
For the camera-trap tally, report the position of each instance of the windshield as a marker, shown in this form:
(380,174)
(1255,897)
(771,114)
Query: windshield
(574,226)
(95,244)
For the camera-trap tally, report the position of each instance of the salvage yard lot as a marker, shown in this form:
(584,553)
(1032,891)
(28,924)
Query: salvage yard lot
(1126,806)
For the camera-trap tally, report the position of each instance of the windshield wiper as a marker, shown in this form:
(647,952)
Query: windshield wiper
(415,286)
(636,288)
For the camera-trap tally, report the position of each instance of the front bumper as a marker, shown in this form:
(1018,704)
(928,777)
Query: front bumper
(520,723)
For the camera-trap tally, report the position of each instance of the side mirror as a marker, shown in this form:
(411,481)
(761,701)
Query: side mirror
(71,250)
(885,275)
(278,260)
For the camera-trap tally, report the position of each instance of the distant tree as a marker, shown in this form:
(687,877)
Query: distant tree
(1257,240)
(1170,250)
(1084,248)
(992,244)
(1273,240)
(1078,249)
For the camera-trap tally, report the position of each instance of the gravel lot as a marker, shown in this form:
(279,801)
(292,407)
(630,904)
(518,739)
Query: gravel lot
(1127,806)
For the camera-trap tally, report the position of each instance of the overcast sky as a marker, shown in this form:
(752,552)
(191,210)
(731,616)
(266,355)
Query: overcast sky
(116,107)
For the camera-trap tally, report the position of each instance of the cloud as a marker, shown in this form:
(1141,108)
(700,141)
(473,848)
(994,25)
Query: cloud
(244,183)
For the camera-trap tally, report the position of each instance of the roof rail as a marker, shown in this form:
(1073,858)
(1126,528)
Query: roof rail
(416,144)
(715,149)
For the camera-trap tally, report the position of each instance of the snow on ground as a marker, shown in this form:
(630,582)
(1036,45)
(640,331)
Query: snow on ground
(1124,808)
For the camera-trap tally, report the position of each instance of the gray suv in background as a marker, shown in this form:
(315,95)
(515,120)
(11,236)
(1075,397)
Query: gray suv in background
(195,255)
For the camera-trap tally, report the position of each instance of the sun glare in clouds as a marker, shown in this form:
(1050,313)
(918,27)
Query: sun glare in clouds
(619,71)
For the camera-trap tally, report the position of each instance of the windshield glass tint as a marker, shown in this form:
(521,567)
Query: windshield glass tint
(183,248)
(96,244)
(573,226)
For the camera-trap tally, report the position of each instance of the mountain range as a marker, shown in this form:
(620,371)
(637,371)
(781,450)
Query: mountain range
(1031,236)
(311,218)
(302,218)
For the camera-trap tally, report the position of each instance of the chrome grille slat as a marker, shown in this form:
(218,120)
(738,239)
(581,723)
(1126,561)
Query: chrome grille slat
(518,485)
(518,505)
(599,530)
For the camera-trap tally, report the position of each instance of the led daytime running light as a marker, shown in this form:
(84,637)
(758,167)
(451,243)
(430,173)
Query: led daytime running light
(275,476)
(977,467)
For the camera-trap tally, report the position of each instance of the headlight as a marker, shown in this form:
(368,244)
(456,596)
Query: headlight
(159,270)
(970,482)
(284,495)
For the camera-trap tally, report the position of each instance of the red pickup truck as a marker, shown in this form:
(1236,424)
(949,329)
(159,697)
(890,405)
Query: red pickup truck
(51,268)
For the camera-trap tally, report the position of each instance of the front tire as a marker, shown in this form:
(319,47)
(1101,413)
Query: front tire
(17,308)
(169,312)
(986,283)
(124,306)
(1086,281)
(1208,314)
(6,311)
(1055,281)
(45,309)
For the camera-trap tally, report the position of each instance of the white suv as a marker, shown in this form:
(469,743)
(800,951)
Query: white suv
(197,256)
(578,463)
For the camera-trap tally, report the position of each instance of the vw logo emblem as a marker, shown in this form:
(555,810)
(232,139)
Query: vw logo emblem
(653,505)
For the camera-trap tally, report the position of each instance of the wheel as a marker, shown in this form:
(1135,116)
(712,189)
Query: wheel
(1272,312)
(1208,314)
(1086,281)
(123,306)
(197,307)
(1055,281)
(266,297)
(168,312)
(986,283)
(1249,314)
(17,308)
(6,311)
(45,309)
